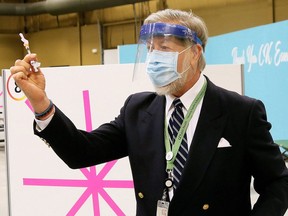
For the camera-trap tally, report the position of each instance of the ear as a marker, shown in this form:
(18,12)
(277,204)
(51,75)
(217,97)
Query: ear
(197,52)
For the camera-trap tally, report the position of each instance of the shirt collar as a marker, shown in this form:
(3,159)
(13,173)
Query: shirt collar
(188,97)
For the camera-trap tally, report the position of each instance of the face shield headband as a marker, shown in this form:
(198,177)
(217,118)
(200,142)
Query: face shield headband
(165,29)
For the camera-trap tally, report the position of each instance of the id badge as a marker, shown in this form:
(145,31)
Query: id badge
(162,208)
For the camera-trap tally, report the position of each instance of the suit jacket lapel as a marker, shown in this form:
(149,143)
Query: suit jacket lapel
(152,134)
(152,120)
(207,135)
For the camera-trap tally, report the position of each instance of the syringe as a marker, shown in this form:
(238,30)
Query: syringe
(35,64)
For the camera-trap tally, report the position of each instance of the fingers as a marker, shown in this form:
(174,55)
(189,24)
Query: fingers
(23,65)
(20,66)
(30,57)
(19,76)
(30,82)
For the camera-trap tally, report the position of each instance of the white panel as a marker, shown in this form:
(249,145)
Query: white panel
(111,56)
(29,159)
(227,76)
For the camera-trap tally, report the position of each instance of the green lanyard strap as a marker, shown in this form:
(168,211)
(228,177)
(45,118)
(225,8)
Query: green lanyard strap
(183,128)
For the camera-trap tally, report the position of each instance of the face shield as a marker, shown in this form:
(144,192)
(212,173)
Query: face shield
(158,47)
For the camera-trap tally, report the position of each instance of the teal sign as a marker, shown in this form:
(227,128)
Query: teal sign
(264,52)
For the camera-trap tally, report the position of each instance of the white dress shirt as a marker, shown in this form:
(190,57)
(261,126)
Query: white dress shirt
(186,100)
(42,124)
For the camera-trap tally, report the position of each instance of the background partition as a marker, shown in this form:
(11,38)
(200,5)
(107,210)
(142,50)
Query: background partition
(39,182)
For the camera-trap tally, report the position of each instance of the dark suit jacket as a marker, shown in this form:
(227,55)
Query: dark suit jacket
(216,181)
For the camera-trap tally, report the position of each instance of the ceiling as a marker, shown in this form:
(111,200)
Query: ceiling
(37,15)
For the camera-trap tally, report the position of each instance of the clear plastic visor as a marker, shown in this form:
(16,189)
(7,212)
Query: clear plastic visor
(163,37)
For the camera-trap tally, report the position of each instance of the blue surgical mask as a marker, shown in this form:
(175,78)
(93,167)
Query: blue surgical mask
(162,67)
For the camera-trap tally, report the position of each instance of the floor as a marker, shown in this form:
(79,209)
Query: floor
(3,186)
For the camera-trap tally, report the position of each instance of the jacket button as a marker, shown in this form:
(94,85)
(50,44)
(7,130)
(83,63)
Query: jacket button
(140,195)
(205,207)
(45,141)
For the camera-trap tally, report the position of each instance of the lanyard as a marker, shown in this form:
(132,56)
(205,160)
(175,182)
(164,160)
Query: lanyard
(171,154)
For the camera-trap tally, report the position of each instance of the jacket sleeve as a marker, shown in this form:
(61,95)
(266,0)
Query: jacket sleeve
(267,165)
(79,148)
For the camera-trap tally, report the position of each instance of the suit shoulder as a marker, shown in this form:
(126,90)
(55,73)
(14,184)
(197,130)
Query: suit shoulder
(232,96)
(231,101)
(142,97)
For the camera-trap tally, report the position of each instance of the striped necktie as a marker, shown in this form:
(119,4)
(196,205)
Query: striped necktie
(175,123)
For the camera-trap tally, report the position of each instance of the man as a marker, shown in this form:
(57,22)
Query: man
(202,166)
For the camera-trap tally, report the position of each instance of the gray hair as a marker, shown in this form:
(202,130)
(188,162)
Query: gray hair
(188,19)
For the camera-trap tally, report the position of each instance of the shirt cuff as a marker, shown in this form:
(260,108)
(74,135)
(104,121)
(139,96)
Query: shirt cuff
(42,124)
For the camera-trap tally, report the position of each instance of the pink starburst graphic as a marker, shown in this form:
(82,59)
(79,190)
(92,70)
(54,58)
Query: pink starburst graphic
(94,183)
